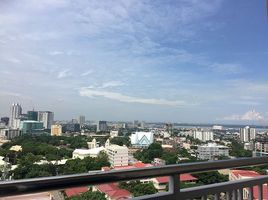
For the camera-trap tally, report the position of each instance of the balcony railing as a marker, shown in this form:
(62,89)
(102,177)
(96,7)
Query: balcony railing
(228,190)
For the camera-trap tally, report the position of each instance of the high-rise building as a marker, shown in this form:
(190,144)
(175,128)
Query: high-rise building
(5,120)
(169,128)
(102,126)
(8,134)
(56,130)
(47,118)
(136,124)
(82,120)
(32,115)
(247,134)
(203,135)
(15,113)
(70,127)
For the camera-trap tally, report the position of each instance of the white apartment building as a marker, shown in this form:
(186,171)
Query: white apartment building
(15,113)
(212,151)
(247,134)
(203,135)
(118,155)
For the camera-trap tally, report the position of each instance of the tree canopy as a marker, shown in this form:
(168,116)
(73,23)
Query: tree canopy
(137,188)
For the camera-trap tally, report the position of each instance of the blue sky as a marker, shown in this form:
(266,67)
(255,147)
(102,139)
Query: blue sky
(177,61)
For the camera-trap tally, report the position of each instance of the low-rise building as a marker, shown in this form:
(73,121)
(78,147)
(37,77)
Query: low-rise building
(92,144)
(113,134)
(16,148)
(56,130)
(160,183)
(246,174)
(112,191)
(83,153)
(212,151)
(159,162)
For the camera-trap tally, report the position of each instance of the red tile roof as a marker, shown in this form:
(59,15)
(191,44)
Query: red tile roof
(75,191)
(251,174)
(245,173)
(135,165)
(113,191)
(183,178)
(141,165)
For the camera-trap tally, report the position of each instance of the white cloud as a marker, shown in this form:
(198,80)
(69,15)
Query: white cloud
(55,53)
(63,74)
(91,93)
(87,73)
(227,68)
(251,115)
(111,84)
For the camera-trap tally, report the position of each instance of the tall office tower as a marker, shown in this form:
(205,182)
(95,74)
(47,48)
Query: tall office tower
(102,126)
(15,113)
(32,115)
(47,118)
(82,120)
(247,134)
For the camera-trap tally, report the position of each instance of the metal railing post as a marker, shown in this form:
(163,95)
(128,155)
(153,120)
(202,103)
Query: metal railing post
(174,186)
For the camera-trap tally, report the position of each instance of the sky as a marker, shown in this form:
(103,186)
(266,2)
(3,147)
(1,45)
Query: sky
(153,60)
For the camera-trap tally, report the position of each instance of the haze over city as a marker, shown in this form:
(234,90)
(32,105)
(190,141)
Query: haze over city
(178,61)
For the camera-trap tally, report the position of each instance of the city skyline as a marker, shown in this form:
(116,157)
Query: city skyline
(183,61)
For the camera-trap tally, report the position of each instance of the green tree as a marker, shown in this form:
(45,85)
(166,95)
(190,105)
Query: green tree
(89,195)
(210,177)
(237,150)
(137,188)
(170,157)
(121,141)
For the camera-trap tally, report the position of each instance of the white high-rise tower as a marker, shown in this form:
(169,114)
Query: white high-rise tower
(15,113)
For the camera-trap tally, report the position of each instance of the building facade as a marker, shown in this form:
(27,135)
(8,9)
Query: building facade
(56,130)
(212,151)
(83,153)
(15,113)
(102,126)
(32,115)
(8,134)
(203,135)
(31,127)
(82,120)
(118,155)
(247,134)
(47,118)
(142,139)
